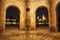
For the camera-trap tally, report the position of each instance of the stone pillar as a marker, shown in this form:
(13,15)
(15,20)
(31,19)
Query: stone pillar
(1,28)
(2,16)
(33,5)
(17,3)
(54,15)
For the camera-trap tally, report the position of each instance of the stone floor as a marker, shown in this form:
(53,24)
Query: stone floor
(40,34)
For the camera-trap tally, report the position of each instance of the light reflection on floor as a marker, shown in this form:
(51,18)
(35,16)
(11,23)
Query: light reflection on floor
(28,35)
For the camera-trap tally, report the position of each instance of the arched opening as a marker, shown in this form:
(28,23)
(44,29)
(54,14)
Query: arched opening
(12,17)
(58,16)
(42,19)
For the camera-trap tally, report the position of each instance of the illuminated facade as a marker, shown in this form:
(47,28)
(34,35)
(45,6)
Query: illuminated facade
(29,18)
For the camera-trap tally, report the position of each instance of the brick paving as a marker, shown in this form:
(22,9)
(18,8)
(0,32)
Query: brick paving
(29,35)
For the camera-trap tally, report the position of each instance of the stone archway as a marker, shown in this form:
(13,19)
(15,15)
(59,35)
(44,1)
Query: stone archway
(58,15)
(12,17)
(42,18)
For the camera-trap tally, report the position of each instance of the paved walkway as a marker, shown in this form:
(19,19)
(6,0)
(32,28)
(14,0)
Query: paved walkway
(29,35)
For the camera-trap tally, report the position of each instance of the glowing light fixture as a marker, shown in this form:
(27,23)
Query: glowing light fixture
(14,22)
(43,17)
(37,17)
(14,19)
(7,19)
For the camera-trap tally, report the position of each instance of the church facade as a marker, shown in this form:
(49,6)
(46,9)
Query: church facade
(28,17)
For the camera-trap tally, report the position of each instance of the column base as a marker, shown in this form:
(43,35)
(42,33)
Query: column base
(52,29)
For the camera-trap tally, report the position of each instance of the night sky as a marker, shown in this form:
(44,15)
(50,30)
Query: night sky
(41,11)
(58,11)
(12,12)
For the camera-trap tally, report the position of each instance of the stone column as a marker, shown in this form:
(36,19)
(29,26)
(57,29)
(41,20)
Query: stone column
(1,26)
(21,6)
(33,5)
(54,15)
(2,23)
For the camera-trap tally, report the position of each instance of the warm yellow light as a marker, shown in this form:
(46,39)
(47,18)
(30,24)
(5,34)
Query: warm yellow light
(42,23)
(7,19)
(39,22)
(43,18)
(7,22)
(14,22)
(14,19)
(37,17)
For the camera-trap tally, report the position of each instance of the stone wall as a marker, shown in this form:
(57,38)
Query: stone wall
(54,22)
(33,5)
(19,4)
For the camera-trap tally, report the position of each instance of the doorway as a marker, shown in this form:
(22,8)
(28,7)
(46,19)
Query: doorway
(12,17)
(42,19)
(58,16)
